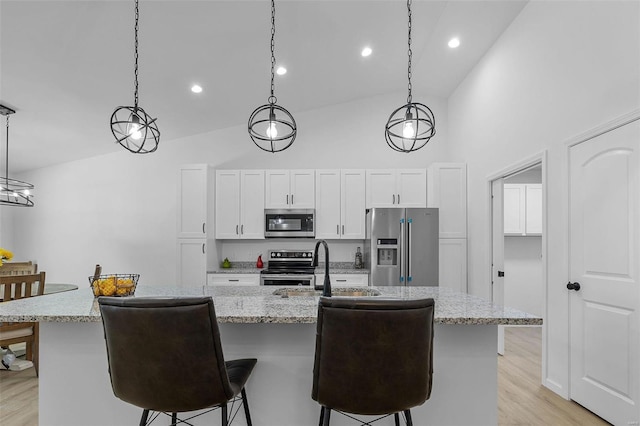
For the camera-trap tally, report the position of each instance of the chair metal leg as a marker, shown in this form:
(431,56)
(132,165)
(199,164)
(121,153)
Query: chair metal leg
(396,417)
(145,416)
(245,404)
(174,419)
(321,416)
(327,416)
(407,414)
(225,419)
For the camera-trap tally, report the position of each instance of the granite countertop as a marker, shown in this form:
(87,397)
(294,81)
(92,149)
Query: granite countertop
(253,305)
(250,268)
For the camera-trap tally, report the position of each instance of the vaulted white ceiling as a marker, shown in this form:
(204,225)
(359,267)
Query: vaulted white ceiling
(66,65)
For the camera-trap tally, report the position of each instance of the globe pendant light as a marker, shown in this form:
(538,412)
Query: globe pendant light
(132,127)
(271,127)
(411,126)
(13,192)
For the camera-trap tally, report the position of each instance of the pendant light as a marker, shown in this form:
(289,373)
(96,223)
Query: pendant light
(411,126)
(271,127)
(132,127)
(13,192)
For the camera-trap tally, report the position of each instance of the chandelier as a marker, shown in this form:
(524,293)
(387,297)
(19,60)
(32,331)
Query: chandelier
(132,127)
(13,192)
(271,127)
(411,126)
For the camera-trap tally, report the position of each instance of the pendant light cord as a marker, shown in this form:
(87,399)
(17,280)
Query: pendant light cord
(135,72)
(6,158)
(410,53)
(272,98)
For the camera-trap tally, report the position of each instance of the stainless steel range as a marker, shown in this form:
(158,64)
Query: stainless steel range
(289,268)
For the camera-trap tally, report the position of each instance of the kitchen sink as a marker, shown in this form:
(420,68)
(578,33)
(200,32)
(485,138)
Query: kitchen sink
(308,292)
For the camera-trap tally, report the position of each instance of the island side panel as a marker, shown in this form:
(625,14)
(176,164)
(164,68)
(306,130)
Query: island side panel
(75,387)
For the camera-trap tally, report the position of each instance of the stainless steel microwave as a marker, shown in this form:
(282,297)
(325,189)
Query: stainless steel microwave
(289,223)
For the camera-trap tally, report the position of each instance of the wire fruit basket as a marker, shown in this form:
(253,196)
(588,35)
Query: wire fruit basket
(114,284)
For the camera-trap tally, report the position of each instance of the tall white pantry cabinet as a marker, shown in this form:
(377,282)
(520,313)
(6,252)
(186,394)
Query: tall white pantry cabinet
(447,190)
(196,247)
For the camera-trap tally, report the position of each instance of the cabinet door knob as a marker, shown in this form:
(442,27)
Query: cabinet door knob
(338,229)
(203,229)
(573,286)
(242,229)
(394,199)
(342,229)
(236,229)
(203,248)
(287,199)
(291,199)
(398,198)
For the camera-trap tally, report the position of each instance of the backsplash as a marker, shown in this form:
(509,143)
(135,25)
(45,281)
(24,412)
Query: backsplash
(248,251)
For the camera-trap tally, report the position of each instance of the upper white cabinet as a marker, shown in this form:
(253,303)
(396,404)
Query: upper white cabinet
(447,191)
(396,188)
(194,200)
(289,189)
(340,204)
(240,204)
(522,209)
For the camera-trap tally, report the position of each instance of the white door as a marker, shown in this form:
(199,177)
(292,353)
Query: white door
(381,188)
(227,204)
(303,189)
(192,201)
(497,251)
(514,208)
(252,204)
(192,268)
(411,188)
(276,189)
(604,260)
(328,204)
(353,215)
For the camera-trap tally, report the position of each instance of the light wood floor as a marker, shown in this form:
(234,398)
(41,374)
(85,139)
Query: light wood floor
(521,399)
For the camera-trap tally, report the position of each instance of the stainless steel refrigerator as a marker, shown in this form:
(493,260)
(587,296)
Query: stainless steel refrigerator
(402,246)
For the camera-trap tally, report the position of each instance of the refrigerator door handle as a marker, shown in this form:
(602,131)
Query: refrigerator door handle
(401,249)
(409,250)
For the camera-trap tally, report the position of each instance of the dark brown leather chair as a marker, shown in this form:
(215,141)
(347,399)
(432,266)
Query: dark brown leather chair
(165,356)
(373,356)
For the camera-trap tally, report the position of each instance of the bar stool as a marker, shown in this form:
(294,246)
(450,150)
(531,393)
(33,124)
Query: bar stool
(165,356)
(373,357)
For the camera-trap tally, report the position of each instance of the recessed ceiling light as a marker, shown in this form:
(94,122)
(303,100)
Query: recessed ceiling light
(281,71)
(196,88)
(454,42)
(366,51)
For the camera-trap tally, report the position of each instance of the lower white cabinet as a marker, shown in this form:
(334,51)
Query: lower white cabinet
(453,264)
(345,280)
(193,254)
(233,279)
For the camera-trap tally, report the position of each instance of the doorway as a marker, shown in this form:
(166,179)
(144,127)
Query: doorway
(517,212)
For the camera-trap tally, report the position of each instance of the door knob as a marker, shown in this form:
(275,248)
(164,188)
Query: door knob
(573,286)
(500,273)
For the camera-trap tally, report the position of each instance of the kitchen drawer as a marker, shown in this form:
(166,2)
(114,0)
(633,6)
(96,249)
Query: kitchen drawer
(233,279)
(345,280)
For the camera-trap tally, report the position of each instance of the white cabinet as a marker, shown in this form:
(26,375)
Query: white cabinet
(239,204)
(522,209)
(193,257)
(447,191)
(233,279)
(345,280)
(289,189)
(453,264)
(340,204)
(194,201)
(396,188)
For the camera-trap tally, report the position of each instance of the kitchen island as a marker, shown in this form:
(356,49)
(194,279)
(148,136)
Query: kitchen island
(74,386)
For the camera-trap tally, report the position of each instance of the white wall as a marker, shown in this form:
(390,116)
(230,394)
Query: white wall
(119,210)
(560,69)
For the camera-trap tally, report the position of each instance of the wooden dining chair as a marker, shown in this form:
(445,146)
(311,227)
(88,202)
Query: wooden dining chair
(14,287)
(18,268)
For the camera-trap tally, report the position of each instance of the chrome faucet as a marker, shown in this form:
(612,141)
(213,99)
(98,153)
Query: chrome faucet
(326,286)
